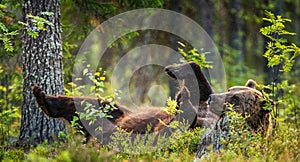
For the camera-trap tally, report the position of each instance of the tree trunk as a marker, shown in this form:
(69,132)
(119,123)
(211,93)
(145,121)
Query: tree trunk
(42,65)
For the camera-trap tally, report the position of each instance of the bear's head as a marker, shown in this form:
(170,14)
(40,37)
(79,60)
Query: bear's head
(245,100)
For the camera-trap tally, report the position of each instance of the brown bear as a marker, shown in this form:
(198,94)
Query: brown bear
(61,106)
(194,96)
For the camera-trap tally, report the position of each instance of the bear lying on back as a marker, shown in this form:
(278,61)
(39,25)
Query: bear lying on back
(208,106)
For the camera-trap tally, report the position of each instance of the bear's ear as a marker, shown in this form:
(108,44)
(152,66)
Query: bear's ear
(251,84)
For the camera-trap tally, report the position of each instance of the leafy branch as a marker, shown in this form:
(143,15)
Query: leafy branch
(279,50)
(38,24)
(194,55)
(35,25)
(5,34)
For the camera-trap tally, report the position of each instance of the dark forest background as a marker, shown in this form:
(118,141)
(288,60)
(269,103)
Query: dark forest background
(233,24)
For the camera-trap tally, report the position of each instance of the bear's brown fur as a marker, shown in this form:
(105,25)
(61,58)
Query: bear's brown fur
(199,87)
(245,100)
(65,106)
(61,106)
(194,78)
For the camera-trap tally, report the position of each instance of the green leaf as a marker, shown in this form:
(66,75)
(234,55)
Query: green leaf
(3,6)
(32,34)
(3,27)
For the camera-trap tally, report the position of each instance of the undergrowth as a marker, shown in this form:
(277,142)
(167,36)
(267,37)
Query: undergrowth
(283,145)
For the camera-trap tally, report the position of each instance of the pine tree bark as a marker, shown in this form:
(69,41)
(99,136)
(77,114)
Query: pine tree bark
(42,65)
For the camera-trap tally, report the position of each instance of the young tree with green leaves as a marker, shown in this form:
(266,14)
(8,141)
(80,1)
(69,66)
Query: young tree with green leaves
(281,55)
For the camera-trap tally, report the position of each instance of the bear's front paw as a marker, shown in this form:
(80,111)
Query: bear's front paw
(37,92)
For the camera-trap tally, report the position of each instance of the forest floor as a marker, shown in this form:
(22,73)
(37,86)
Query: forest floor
(283,145)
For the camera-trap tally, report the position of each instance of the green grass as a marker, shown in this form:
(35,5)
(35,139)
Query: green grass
(283,145)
